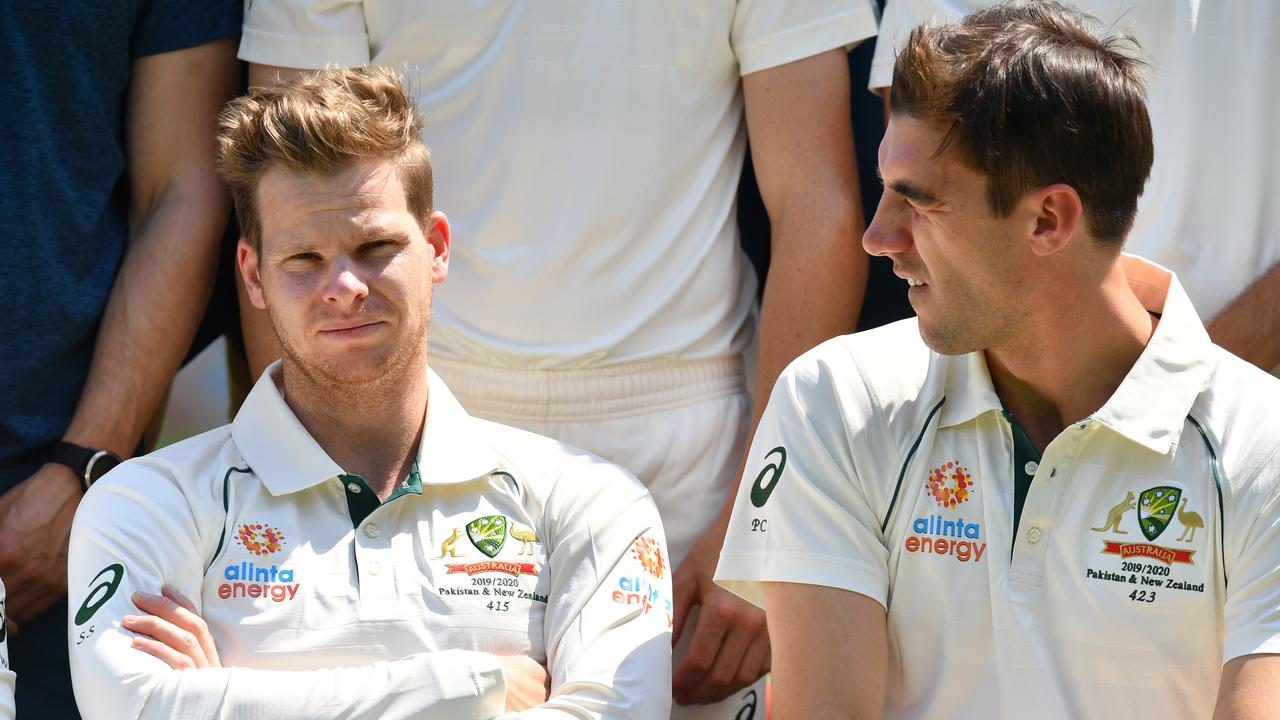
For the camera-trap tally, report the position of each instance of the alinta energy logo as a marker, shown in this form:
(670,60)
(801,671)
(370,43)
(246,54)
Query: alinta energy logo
(947,535)
(649,553)
(260,539)
(251,580)
(641,588)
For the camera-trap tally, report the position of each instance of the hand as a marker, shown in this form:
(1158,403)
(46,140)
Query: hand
(528,683)
(730,646)
(171,630)
(35,526)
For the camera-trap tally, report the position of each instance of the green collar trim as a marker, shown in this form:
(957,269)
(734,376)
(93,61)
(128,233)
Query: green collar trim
(362,500)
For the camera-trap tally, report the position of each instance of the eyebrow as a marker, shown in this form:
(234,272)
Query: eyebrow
(910,190)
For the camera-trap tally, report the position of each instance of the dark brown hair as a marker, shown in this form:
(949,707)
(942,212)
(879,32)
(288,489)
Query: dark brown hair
(1034,94)
(320,124)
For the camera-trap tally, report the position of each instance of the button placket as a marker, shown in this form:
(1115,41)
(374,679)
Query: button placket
(375,564)
(1040,513)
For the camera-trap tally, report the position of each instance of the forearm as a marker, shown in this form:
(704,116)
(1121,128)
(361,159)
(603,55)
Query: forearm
(449,684)
(151,317)
(1250,326)
(813,292)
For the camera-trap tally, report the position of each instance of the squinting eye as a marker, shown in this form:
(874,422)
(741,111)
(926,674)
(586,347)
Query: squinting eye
(304,256)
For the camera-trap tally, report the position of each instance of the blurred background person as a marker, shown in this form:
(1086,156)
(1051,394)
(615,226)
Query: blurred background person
(112,215)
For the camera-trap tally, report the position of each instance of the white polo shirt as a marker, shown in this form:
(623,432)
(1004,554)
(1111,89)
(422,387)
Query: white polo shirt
(6,674)
(1143,560)
(324,602)
(589,156)
(1208,211)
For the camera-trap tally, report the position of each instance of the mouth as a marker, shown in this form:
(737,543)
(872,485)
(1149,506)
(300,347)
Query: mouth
(350,329)
(912,282)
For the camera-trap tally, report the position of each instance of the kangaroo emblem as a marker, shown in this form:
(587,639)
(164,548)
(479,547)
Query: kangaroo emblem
(1116,514)
(527,537)
(447,547)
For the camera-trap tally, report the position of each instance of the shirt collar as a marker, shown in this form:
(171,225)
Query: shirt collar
(287,459)
(1150,407)
(1151,403)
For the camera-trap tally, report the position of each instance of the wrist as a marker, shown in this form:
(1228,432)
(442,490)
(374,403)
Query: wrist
(87,464)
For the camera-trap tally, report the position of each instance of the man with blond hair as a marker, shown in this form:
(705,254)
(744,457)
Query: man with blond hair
(1050,495)
(354,544)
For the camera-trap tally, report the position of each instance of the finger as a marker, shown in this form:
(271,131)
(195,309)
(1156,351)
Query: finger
(30,605)
(755,662)
(193,622)
(684,595)
(718,682)
(698,658)
(167,633)
(167,608)
(11,626)
(166,654)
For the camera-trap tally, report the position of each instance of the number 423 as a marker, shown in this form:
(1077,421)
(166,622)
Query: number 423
(1143,596)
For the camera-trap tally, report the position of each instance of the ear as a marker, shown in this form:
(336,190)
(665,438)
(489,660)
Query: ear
(439,239)
(1058,212)
(247,261)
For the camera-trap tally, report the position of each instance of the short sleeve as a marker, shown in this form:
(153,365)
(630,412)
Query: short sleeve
(7,684)
(1252,612)
(769,33)
(899,19)
(166,25)
(305,34)
(801,514)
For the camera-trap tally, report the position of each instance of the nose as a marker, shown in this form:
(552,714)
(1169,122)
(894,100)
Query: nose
(346,286)
(888,233)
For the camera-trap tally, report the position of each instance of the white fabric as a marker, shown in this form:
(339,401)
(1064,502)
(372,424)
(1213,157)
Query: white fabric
(1208,211)
(7,677)
(879,433)
(679,426)
(401,614)
(588,156)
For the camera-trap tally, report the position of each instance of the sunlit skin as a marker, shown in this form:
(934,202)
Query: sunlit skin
(345,273)
(1027,289)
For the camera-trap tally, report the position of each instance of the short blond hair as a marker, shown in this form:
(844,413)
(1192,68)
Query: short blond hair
(320,124)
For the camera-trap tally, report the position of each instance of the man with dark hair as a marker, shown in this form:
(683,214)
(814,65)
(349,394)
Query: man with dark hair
(1212,86)
(354,544)
(1050,494)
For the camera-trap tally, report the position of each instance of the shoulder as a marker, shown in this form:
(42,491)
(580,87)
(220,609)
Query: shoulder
(546,467)
(878,376)
(1235,415)
(184,477)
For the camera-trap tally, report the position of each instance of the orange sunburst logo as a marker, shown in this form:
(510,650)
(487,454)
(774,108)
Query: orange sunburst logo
(649,553)
(260,539)
(949,484)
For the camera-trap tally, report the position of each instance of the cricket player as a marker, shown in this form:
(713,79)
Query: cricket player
(1050,495)
(354,544)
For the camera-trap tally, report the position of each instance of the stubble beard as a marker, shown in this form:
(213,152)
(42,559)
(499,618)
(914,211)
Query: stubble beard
(337,383)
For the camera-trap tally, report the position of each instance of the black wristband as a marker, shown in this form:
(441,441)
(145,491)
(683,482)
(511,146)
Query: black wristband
(88,463)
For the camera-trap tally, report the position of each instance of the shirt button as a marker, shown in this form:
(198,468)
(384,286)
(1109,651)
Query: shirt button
(1031,467)
(353,488)
(375,569)
(372,530)
(1033,535)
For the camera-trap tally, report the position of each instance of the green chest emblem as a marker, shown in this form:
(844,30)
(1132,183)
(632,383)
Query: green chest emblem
(1155,509)
(488,534)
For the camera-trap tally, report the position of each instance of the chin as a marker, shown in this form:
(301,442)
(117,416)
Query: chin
(944,340)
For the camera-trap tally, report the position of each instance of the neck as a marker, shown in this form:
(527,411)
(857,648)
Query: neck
(1076,348)
(369,430)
